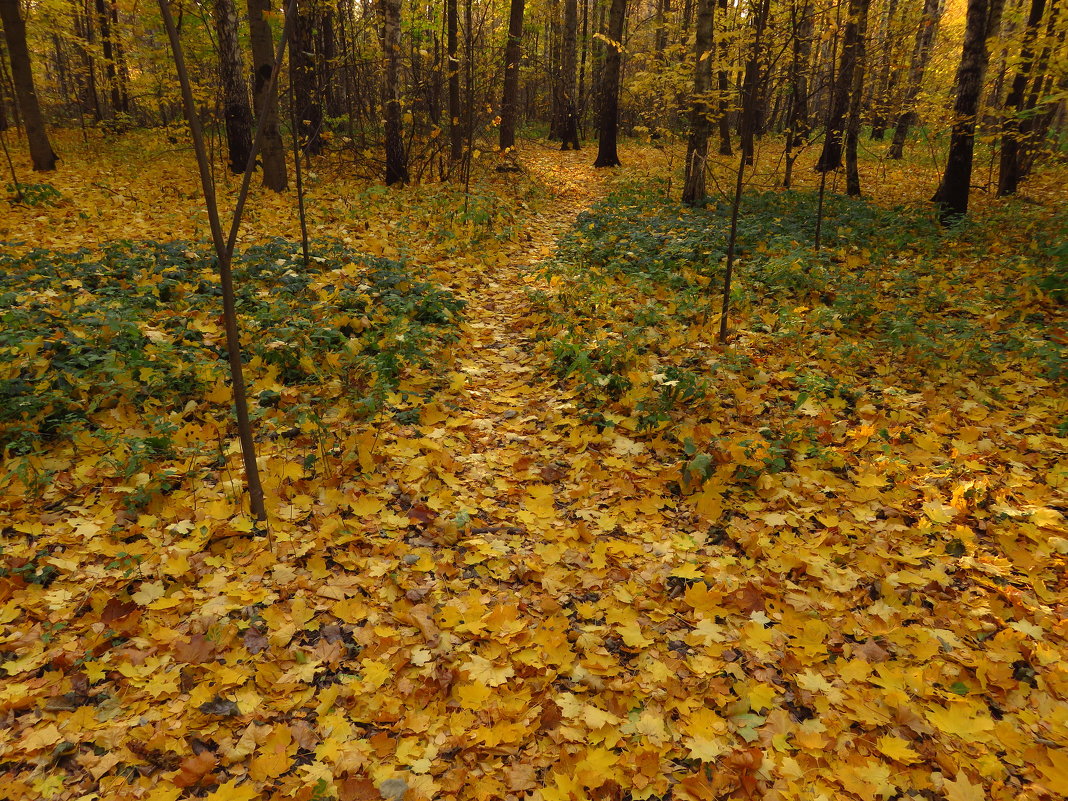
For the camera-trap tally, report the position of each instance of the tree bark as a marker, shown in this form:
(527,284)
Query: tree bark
(273,153)
(237,111)
(855,98)
(608,130)
(724,89)
(831,155)
(456,128)
(921,56)
(513,51)
(952,195)
(1009,167)
(42,155)
(569,137)
(302,58)
(396,158)
(693,188)
(797,126)
(103,16)
(885,82)
(751,95)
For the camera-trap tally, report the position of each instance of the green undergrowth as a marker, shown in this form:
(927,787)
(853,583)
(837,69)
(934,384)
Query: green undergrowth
(128,342)
(636,289)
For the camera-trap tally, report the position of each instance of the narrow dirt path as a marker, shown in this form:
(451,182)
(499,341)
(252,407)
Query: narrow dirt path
(526,463)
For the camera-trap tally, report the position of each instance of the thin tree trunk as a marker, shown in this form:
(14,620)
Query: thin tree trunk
(884,83)
(1034,127)
(693,187)
(513,51)
(831,155)
(237,111)
(42,156)
(608,130)
(921,56)
(396,158)
(797,127)
(856,95)
(273,154)
(952,194)
(724,89)
(456,128)
(305,86)
(568,106)
(1009,168)
(751,89)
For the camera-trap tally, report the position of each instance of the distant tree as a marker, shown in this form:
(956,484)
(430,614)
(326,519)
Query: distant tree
(456,126)
(567,103)
(396,157)
(1016,105)
(272,153)
(886,78)
(921,56)
(693,189)
(797,125)
(852,44)
(513,49)
(305,78)
(856,97)
(608,130)
(724,88)
(237,111)
(42,156)
(983,18)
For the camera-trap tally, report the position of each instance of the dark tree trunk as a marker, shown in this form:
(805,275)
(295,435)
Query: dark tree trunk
(883,87)
(237,111)
(305,86)
(569,137)
(693,188)
(513,51)
(41,154)
(952,195)
(396,158)
(831,156)
(1009,168)
(83,30)
(1046,84)
(856,95)
(797,126)
(327,73)
(921,56)
(120,60)
(751,95)
(608,130)
(272,154)
(456,128)
(103,17)
(724,90)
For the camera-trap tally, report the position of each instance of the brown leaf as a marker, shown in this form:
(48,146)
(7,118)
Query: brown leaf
(193,769)
(519,777)
(194,651)
(357,788)
(255,641)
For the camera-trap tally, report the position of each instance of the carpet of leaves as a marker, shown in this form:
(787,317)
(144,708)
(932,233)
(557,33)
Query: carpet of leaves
(774,571)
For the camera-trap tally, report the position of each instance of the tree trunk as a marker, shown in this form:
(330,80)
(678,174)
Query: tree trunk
(797,127)
(693,188)
(952,195)
(396,158)
(237,111)
(856,95)
(103,17)
(751,96)
(921,55)
(513,51)
(568,106)
(41,153)
(305,86)
(1009,168)
(273,154)
(608,130)
(831,156)
(883,87)
(724,90)
(456,128)
(1047,84)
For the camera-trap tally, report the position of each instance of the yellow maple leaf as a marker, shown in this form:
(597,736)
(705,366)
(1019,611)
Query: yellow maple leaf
(897,749)
(232,792)
(481,669)
(1057,771)
(961,789)
(965,719)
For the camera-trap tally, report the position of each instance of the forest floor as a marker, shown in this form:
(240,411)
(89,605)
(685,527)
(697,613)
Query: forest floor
(533,532)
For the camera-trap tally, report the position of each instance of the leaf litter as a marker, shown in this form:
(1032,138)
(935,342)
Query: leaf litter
(504,585)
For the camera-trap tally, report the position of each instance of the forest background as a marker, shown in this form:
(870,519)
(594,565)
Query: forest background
(724,459)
